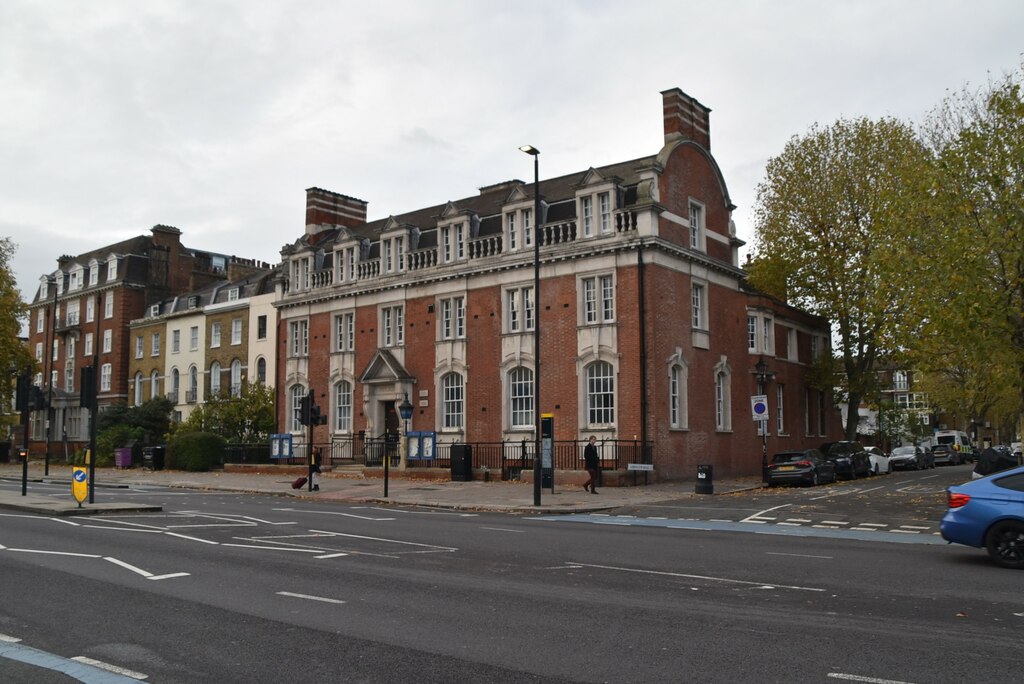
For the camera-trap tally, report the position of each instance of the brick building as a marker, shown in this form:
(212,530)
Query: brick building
(80,316)
(649,332)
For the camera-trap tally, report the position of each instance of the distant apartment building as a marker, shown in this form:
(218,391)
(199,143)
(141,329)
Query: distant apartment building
(205,343)
(80,316)
(649,330)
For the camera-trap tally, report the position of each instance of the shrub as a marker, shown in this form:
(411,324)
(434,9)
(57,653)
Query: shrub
(194,451)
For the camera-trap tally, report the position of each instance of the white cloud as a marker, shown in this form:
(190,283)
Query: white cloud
(216,116)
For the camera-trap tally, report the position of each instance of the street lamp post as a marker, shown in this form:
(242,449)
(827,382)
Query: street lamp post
(405,410)
(535,153)
(763,376)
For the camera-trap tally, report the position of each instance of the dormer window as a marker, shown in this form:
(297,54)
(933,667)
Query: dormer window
(519,229)
(453,242)
(94,272)
(112,270)
(154,310)
(233,294)
(75,280)
(392,254)
(193,302)
(346,261)
(595,203)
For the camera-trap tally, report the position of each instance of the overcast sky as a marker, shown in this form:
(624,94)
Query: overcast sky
(214,116)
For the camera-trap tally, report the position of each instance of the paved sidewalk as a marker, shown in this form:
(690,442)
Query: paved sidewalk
(512,497)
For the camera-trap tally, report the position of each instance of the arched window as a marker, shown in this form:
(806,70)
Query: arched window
(236,378)
(138,389)
(298,391)
(723,399)
(520,398)
(154,384)
(678,411)
(453,400)
(214,379)
(175,385)
(261,370)
(343,406)
(193,385)
(600,394)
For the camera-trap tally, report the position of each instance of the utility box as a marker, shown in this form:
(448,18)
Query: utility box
(462,463)
(705,479)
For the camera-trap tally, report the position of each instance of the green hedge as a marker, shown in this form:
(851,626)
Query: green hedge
(195,451)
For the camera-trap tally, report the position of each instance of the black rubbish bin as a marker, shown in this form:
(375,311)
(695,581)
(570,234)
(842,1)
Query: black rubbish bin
(705,480)
(153,457)
(5,452)
(462,463)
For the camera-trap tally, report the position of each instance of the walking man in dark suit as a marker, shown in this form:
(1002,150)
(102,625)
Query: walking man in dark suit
(592,464)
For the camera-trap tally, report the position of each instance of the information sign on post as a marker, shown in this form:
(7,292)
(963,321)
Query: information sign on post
(759,407)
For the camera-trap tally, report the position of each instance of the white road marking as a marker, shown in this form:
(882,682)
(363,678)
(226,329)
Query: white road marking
(874,524)
(122,529)
(915,527)
(268,522)
(58,553)
(144,573)
(865,529)
(381,539)
(834,522)
(798,555)
(309,597)
(272,548)
(185,536)
(869,680)
(873,489)
(110,668)
(36,517)
(767,510)
(700,577)
(798,520)
(338,513)
(502,529)
(330,555)
(9,639)
(790,524)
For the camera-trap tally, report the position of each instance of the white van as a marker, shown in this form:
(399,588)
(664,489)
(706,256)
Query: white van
(958,441)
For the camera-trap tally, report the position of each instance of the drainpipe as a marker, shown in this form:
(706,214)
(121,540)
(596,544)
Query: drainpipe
(641,295)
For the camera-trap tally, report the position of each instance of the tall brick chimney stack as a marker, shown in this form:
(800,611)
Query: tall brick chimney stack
(325,209)
(685,118)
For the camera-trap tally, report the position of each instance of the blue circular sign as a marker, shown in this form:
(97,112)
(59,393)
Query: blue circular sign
(760,408)
(80,476)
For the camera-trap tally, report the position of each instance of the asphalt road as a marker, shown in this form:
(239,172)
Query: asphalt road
(238,588)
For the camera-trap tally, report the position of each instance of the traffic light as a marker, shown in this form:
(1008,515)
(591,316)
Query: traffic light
(314,415)
(305,409)
(87,389)
(24,391)
(36,399)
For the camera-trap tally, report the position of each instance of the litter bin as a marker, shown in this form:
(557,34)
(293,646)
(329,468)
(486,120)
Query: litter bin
(705,480)
(462,463)
(5,452)
(123,457)
(153,457)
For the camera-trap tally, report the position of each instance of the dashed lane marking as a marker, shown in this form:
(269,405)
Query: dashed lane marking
(309,597)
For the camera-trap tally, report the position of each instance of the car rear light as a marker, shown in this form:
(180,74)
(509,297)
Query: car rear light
(958,500)
(804,464)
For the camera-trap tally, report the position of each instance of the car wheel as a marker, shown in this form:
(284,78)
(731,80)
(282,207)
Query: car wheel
(1005,544)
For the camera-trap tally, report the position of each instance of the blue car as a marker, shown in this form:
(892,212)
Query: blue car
(989,513)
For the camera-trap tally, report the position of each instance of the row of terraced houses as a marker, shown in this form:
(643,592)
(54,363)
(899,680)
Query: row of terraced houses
(650,333)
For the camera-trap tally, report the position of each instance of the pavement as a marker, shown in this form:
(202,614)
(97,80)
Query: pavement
(340,486)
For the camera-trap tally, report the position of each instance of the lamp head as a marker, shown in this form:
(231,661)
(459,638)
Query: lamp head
(530,150)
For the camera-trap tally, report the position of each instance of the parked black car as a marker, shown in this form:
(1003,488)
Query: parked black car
(850,459)
(803,467)
(907,457)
